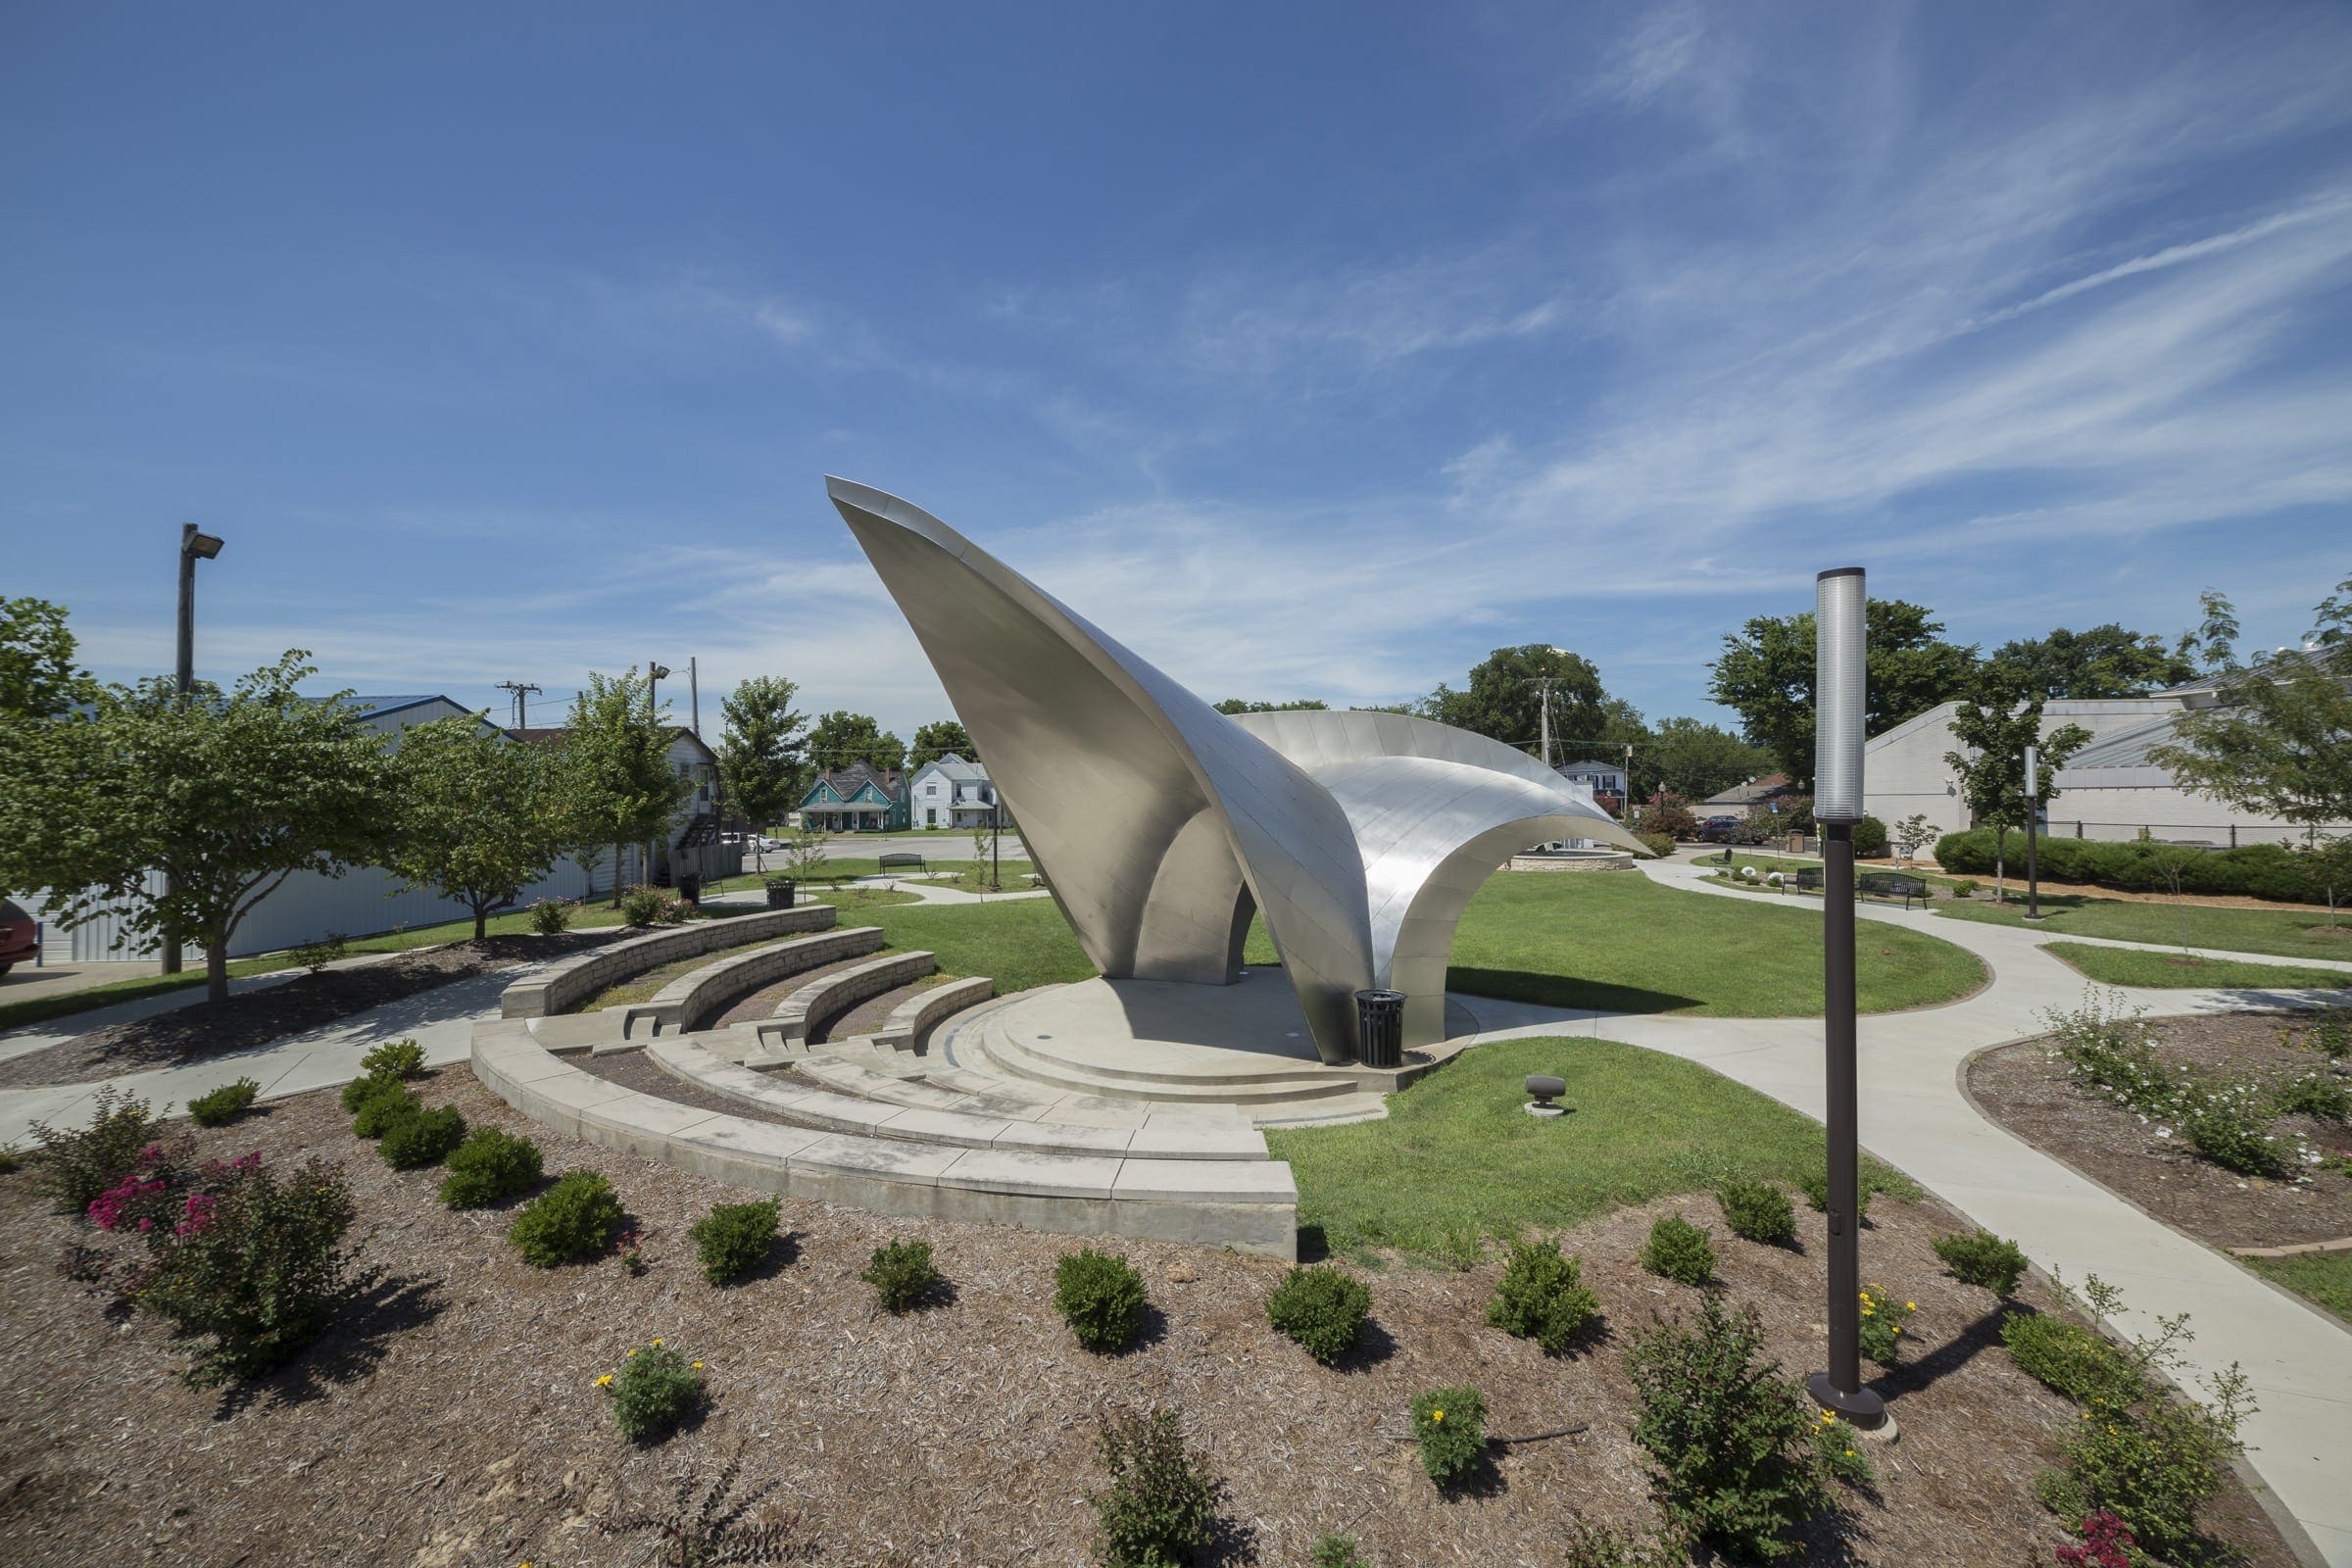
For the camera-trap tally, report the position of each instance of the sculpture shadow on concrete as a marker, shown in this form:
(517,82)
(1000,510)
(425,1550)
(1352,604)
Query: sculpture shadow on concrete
(1161,825)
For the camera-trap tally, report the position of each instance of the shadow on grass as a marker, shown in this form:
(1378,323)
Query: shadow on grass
(1564,991)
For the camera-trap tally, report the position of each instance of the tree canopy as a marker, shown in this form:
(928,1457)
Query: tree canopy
(1504,699)
(479,817)
(1695,759)
(1992,769)
(762,761)
(615,764)
(38,677)
(937,739)
(1236,704)
(841,738)
(2107,661)
(1765,675)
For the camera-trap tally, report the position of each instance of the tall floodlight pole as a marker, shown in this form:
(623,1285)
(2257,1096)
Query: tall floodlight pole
(2033,811)
(194,546)
(1840,612)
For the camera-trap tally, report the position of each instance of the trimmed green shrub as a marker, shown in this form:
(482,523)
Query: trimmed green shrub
(2256,870)
(2313,1095)
(1659,844)
(1730,1439)
(394,1059)
(901,1274)
(1758,1210)
(1815,1185)
(654,1390)
(1678,1251)
(78,1166)
(1321,1306)
(1337,1552)
(1983,1259)
(1101,1297)
(223,1104)
(257,1265)
(425,1139)
(1542,1296)
(1449,1426)
(550,916)
(1966,889)
(385,1104)
(1160,1507)
(648,905)
(333,948)
(2072,1360)
(1870,838)
(2153,1469)
(489,1165)
(734,1239)
(571,1222)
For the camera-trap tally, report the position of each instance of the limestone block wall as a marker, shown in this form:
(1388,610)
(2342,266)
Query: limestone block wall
(556,987)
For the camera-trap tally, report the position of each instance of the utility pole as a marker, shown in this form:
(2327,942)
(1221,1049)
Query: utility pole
(694,695)
(519,700)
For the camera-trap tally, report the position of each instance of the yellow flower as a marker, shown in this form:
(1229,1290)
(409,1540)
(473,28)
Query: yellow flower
(605,1382)
(1437,1415)
(698,1366)
(1849,1453)
(657,1342)
(2111,1432)
(1910,1306)
(632,1351)
(1898,1328)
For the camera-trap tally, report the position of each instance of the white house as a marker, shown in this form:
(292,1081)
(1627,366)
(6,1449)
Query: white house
(2108,790)
(954,792)
(1601,778)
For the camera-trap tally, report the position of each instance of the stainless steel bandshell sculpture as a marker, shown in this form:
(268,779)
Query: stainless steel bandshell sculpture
(1161,825)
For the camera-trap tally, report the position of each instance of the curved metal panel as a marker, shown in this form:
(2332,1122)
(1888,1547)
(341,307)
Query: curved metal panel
(1159,824)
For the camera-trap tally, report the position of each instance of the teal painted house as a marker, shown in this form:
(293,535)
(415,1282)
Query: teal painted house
(858,798)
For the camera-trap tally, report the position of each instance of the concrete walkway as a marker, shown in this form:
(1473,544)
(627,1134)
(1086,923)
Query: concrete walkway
(1915,1116)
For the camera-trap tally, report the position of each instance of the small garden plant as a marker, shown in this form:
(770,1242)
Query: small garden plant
(734,1239)
(1101,1297)
(1321,1306)
(1542,1296)
(1839,1448)
(2227,1119)
(1160,1507)
(571,1222)
(1336,1552)
(1679,1251)
(384,1106)
(2069,1359)
(1983,1259)
(76,1166)
(549,916)
(424,1139)
(394,1059)
(1883,1321)
(333,948)
(489,1167)
(1815,1185)
(1450,1428)
(2107,1542)
(1757,1212)
(223,1104)
(1730,1439)
(903,1275)
(654,1390)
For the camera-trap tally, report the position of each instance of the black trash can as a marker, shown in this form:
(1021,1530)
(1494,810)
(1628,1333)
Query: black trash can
(779,891)
(1380,1028)
(690,888)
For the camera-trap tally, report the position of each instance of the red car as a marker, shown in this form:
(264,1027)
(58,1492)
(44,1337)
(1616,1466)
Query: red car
(20,937)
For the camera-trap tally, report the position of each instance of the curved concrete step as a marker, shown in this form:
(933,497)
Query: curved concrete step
(1250,1205)
(1007,1056)
(910,1024)
(695,996)
(552,988)
(807,1010)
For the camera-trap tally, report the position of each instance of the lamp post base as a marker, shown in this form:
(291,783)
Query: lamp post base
(1865,1409)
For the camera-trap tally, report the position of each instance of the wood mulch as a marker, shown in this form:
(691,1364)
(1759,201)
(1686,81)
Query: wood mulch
(251,1018)
(455,1420)
(2026,1088)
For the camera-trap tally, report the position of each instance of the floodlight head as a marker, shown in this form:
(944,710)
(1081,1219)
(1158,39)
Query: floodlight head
(1841,603)
(658,671)
(203,546)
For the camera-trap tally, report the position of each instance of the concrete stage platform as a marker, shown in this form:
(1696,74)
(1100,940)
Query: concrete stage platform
(1242,1045)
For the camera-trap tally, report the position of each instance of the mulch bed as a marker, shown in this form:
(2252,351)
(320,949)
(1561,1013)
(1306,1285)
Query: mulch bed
(455,1421)
(203,1029)
(2025,1087)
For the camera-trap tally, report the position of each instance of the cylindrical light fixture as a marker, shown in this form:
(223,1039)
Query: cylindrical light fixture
(2032,772)
(1840,616)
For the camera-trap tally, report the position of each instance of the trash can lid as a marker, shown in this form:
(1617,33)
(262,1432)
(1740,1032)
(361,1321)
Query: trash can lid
(1378,995)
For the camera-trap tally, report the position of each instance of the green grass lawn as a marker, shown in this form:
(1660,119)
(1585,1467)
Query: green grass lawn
(2130,966)
(2321,1277)
(1019,943)
(1619,943)
(1458,1159)
(2290,931)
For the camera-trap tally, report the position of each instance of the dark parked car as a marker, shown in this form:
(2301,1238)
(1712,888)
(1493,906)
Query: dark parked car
(20,937)
(1722,830)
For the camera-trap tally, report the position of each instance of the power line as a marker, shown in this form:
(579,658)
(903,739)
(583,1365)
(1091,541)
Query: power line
(519,694)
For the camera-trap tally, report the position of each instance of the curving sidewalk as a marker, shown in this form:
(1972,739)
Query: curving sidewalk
(1915,1116)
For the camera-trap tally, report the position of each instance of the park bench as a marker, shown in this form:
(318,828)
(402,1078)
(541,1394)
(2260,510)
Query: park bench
(1893,885)
(1808,879)
(899,862)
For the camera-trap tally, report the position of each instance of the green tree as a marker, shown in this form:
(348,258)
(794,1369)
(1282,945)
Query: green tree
(761,763)
(225,796)
(1992,768)
(1236,705)
(937,739)
(38,678)
(1504,700)
(616,771)
(2104,661)
(1695,759)
(2279,741)
(1765,675)
(841,738)
(480,818)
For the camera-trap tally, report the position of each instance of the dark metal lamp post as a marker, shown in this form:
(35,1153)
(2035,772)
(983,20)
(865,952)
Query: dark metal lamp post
(1839,616)
(194,546)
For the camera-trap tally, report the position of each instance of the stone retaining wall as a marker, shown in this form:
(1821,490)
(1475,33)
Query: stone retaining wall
(693,996)
(911,1021)
(566,983)
(807,1009)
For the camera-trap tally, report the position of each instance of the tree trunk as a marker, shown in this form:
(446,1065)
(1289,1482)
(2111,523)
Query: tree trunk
(2001,849)
(616,873)
(216,968)
(481,921)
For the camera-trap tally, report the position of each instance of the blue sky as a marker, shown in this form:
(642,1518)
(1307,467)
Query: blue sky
(1311,350)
